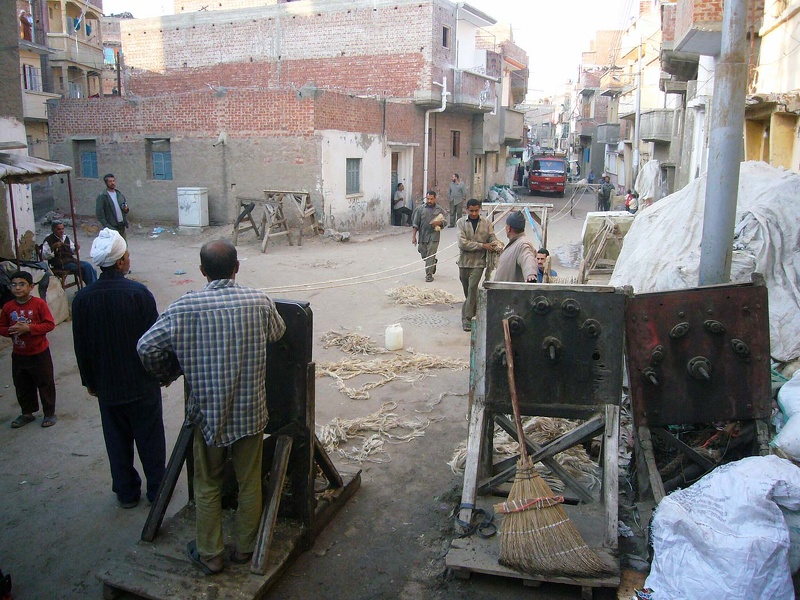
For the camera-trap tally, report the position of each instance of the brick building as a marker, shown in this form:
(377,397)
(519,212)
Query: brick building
(328,96)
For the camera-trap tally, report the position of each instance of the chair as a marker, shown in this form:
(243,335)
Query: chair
(62,274)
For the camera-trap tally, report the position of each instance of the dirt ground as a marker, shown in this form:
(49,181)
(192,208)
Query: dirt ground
(59,519)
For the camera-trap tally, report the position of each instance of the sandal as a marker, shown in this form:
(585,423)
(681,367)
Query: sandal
(194,556)
(49,421)
(22,420)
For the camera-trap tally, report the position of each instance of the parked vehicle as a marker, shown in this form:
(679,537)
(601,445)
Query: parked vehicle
(547,174)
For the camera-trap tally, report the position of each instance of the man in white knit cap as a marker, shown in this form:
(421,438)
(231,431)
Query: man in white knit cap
(108,318)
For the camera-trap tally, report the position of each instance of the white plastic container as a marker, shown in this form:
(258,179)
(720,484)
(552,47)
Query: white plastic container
(394,337)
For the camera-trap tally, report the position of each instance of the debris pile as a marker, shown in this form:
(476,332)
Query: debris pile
(351,343)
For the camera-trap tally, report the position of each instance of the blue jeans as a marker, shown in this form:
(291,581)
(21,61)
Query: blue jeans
(88,274)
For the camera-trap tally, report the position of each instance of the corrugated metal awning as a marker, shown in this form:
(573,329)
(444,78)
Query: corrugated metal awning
(20,168)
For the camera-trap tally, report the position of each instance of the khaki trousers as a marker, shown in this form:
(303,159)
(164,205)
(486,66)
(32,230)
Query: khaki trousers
(209,463)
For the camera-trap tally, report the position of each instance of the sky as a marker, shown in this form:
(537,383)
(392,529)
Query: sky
(552,32)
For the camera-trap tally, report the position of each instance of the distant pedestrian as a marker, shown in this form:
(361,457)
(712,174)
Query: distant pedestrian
(111,207)
(399,207)
(476,239)
(108,318)
(27,321)
(457,193)
(633,203)
(604,194)
(517,262)
(428,220)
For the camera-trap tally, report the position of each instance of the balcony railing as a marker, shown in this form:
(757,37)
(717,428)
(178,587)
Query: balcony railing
(82,53)
(656,125)
(473,91)
(513,125)
(608,133)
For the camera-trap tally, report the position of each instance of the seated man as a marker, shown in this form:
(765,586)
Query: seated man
(57,250)
(541,259)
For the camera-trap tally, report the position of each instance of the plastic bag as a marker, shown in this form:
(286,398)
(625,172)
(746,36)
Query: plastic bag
(725,536)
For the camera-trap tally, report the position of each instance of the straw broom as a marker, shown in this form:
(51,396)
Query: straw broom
(537,537)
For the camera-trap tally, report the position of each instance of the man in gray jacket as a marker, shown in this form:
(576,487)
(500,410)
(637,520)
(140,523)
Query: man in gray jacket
(111,208)
(518,261)
(457,194)
(475,239)
(428,220)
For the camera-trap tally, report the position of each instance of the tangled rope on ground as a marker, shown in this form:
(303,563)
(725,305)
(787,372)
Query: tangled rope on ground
(417,296)
(385,425)
(352,343)
(408,367)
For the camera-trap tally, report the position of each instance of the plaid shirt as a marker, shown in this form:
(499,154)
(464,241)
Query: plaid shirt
(217,337)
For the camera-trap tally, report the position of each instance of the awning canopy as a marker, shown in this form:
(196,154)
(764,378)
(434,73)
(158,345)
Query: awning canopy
(19,168)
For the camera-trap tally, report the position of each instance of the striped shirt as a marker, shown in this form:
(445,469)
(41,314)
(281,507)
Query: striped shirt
(219,337)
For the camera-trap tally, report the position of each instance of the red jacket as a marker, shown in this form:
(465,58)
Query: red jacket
(34,312)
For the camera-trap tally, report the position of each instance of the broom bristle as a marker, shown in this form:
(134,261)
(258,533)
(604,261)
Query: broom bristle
(541,539)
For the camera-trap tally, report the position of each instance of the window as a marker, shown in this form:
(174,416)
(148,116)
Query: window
(430,136)
(108,56)
(456,143)
(86,158)
(446,37)
(353,185)
(160,159)
(31,78)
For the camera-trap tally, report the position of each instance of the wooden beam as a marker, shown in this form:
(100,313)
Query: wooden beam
(272,501)
(610,462)
(656,483)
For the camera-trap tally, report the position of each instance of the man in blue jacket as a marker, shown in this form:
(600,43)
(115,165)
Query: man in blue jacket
(108,318)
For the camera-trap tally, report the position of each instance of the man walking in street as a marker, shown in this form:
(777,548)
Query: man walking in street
(217,338)
(457,193)
(428,220)
(517,261)
(108,318)
(111,208)
(476,238)
(604,194)
(57,250)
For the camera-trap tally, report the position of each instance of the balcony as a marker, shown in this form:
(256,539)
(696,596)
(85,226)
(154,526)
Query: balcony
(682,66)
(473,92)
(586,127)
(608,133)
(698,25)
(513,125)
(87,54)
(34,104)
(656,125)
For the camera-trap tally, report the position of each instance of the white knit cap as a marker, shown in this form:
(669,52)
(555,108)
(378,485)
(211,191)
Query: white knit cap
(108,248)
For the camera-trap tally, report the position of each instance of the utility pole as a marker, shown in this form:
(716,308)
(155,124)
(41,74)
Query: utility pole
(638,117)
(726,147)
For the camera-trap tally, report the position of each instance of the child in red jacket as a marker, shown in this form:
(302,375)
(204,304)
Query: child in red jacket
(27,321)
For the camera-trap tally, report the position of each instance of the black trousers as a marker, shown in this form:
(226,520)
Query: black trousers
(140,422)
(31,374)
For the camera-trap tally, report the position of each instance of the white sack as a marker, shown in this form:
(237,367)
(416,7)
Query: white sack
(789,396)
(725,536)
(662,250)
(648,182)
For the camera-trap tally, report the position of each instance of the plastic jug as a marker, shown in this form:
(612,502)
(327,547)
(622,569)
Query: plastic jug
(394,337)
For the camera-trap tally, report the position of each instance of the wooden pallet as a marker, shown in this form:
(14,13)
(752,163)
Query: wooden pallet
(163,571)
(481,555)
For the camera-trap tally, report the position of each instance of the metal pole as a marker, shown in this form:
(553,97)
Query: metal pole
(638,117)
(74,230)
(726,147)
(13,220)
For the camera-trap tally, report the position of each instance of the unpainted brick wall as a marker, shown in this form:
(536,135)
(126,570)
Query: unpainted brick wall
(368,46)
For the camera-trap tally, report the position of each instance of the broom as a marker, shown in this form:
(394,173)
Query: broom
(536,535)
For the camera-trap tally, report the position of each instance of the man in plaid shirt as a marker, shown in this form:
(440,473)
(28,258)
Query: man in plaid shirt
(217,338)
